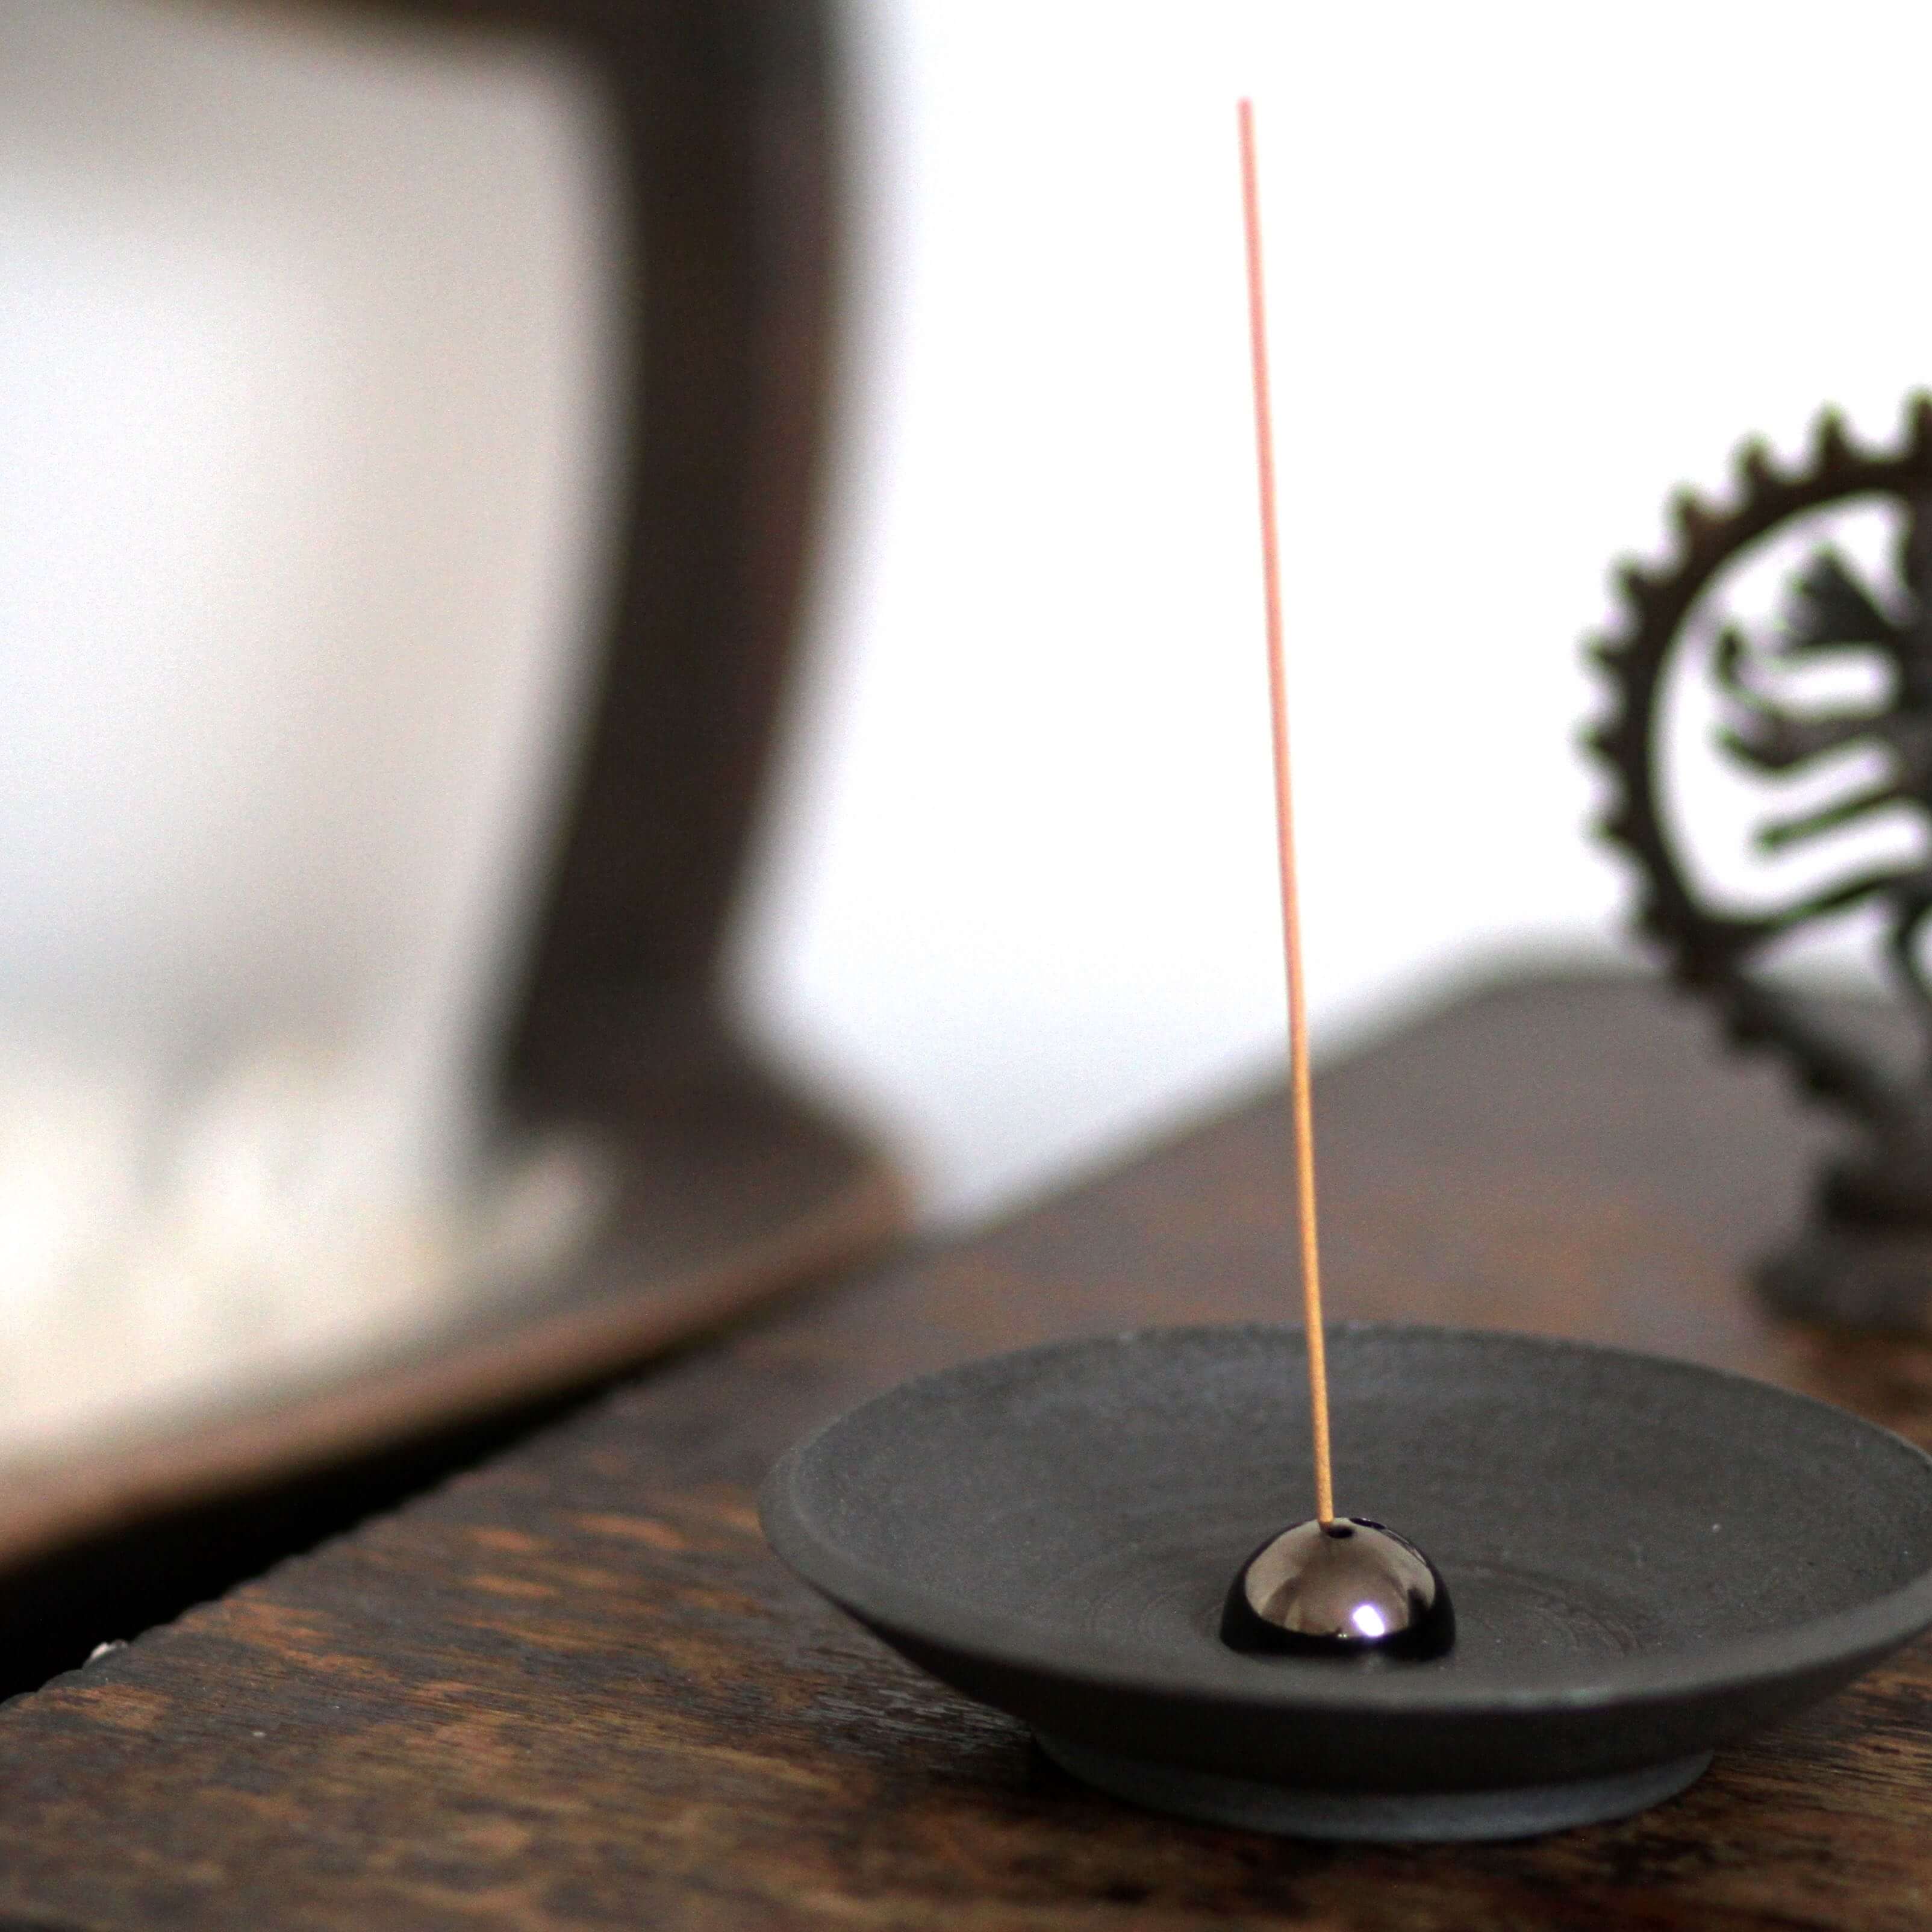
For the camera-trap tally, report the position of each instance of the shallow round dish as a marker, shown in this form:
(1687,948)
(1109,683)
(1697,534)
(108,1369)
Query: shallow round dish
(1648,1560)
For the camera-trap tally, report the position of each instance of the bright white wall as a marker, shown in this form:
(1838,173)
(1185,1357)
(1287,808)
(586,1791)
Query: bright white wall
(304,438)
(302,451)
(1531,266)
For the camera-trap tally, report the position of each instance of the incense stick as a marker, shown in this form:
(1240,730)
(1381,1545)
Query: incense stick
(1291,909)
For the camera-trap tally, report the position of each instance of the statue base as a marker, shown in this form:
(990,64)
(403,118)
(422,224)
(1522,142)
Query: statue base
(1854,1274)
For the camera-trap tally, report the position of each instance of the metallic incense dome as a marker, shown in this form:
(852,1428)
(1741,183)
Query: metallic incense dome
(1338,1589)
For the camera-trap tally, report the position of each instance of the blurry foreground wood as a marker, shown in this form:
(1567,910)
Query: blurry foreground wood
(573,1689)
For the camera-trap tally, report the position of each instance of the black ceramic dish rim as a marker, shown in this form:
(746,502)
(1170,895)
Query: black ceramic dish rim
(1835,1645)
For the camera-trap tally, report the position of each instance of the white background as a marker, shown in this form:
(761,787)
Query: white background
(1531,266)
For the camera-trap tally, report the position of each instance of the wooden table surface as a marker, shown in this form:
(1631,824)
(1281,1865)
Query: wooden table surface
(571,1688)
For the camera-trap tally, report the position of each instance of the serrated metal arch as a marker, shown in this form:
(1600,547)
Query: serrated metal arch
(1702,946)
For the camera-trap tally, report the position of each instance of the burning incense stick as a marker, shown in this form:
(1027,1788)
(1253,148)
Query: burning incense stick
(1291,911)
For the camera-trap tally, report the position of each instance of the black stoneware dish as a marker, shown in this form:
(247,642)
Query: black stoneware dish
(1648,1559)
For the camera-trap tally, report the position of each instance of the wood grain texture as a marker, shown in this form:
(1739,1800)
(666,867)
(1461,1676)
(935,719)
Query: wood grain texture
(572,1688)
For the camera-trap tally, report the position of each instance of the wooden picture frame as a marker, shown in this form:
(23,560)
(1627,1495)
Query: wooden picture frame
(731,1188)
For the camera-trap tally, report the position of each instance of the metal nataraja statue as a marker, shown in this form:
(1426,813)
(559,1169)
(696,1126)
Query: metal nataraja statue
(1865,1257)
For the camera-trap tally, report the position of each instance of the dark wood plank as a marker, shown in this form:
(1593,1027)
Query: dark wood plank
(572,1689)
